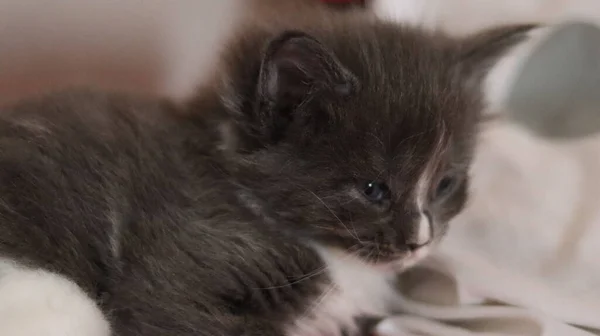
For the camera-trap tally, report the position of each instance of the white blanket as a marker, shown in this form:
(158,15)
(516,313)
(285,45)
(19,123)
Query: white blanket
(524,257)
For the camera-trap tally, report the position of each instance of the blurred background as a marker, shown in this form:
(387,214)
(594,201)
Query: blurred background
(143,46)
(523,258)
(165,47)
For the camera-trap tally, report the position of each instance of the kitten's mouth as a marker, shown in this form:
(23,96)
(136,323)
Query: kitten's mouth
(403,261)
(393,263)
(387,259)
(388,256)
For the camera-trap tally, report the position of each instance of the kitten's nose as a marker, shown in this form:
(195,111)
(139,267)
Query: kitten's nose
(424,232)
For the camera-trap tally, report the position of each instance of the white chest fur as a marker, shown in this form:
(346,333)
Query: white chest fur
(357,289)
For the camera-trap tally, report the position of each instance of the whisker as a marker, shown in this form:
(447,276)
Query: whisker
(318,302)
(312,274)
(354,230)
(403,142)
(368,257)
(326,292)
(333,213)
(379,175)
(377,139)
(378,254)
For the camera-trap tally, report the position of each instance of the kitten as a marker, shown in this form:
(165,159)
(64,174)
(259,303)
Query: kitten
(325,157)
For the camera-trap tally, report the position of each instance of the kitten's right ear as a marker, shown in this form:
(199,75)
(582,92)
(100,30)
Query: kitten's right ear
(477,54)
(297,70)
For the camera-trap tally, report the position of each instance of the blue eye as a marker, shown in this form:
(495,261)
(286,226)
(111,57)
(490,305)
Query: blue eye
(445,187)
(376,191)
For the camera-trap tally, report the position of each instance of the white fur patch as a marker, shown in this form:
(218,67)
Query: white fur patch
(40,303)
(358,289)
(424,230)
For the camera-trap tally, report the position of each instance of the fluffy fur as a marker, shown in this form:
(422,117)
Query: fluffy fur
(255,208)
(37,302)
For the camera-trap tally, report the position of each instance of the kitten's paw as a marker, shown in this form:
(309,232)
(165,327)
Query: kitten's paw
(40,303)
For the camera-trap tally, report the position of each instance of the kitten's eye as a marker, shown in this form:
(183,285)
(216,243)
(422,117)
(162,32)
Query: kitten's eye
(445,187)
(376,191)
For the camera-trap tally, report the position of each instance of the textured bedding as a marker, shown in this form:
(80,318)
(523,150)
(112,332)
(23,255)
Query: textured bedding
(524,258)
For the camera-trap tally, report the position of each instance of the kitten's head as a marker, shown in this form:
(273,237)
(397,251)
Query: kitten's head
(357,137)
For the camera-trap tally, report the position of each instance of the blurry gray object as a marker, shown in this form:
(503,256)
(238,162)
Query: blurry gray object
(557,92)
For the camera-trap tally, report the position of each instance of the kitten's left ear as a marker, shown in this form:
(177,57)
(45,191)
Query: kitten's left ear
(296,68)
(480,52)
(296,65)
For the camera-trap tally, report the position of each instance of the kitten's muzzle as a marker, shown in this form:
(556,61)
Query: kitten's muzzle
(423,234)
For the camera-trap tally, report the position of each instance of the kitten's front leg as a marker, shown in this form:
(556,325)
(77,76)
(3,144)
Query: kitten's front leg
(34,302)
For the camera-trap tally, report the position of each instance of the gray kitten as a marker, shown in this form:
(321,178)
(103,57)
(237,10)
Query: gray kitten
(324,158)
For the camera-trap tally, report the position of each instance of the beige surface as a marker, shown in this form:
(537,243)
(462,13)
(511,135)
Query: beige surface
(138,45)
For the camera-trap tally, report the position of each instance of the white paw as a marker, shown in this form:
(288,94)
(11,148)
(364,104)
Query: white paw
(40,303)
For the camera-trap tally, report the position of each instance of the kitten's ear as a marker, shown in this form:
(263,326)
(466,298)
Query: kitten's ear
(480,52)
(295,69)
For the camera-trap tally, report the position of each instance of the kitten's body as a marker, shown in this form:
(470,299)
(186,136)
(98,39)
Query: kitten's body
(234,215)
(133,236)
(121,183)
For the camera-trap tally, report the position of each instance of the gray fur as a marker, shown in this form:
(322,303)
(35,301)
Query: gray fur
(176,230)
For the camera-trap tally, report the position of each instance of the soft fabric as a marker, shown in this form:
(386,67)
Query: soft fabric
(523,258)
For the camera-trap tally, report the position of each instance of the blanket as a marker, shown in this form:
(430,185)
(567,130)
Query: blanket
(524,256)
